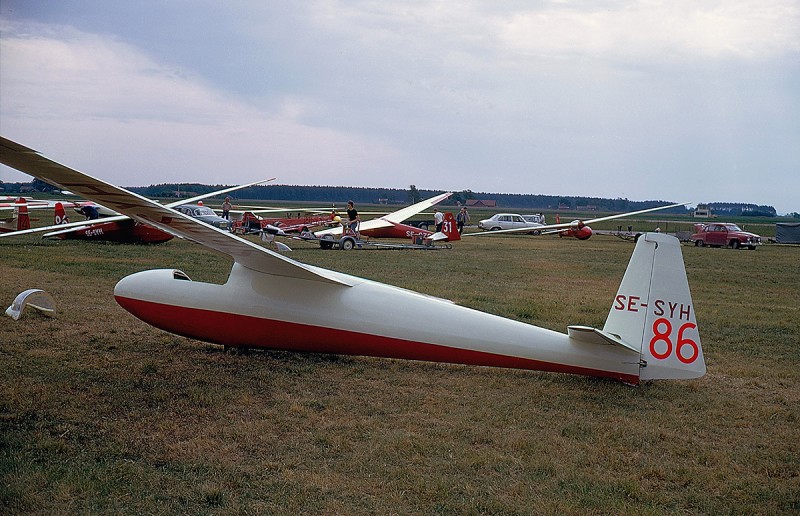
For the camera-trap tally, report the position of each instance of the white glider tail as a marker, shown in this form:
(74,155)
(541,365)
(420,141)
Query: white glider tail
(652,314)
(653,311)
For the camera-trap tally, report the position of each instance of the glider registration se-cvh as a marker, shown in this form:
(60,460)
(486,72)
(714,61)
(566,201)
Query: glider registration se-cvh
(271,301)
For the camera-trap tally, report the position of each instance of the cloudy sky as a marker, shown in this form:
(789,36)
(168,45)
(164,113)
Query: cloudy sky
(675,100)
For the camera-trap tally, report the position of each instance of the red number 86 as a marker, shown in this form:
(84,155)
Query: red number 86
(681,344)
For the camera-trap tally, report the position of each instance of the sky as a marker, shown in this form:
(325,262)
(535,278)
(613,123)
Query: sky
(679,100)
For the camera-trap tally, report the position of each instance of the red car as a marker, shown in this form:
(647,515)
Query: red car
(724,234)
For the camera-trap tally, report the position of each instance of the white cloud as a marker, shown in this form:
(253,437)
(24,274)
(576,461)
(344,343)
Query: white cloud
(612,29)
(84,91)
(554,97)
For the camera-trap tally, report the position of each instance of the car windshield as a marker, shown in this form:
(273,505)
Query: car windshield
(204,211)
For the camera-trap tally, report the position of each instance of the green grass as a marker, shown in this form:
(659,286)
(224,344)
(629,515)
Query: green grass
(100,412)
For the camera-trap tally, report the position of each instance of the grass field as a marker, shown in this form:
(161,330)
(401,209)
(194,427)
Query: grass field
(100,412)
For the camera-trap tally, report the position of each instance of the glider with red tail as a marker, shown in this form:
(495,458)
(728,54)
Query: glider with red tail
(271,301)
(19,219)
(391,225)
(121,228)
(577,228)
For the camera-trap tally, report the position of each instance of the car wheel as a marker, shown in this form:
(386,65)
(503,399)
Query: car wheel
(536,233)
(699,243)
(495,229)
(734,244)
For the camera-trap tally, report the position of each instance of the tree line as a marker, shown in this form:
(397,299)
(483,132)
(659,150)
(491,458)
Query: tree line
(366,195)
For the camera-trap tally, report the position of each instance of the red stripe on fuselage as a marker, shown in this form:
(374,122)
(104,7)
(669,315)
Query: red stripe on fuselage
(255,332)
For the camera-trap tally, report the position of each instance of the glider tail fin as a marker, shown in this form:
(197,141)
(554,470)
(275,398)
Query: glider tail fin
(450,228)
(23,218)
(60,216)
(653,311)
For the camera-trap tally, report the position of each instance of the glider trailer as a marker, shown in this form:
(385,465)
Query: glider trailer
(349,242)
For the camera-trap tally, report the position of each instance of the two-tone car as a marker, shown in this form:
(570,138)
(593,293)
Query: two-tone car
(204,214)
(724,234)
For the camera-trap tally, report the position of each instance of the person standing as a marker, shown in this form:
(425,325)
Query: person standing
(353,218)
(462,219)
(438,217)
(226,208)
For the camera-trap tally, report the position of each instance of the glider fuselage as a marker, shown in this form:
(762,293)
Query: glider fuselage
(124,231)
(257,310)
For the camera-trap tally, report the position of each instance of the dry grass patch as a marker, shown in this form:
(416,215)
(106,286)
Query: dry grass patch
(102,413)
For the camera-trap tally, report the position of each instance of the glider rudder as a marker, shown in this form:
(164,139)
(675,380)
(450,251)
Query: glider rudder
(653,311)
(450,228)
(60,215)
(23,218)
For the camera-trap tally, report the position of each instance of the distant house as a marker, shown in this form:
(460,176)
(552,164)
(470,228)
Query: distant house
(702,211)
(481,203)
(182,193)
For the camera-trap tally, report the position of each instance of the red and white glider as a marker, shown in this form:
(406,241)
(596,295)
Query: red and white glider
(577,228)
(116,228)
(18,220)
(271,301)
(391,225)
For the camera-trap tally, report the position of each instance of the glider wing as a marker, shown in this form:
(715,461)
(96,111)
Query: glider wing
(553,228)
(149,212)
(393,218)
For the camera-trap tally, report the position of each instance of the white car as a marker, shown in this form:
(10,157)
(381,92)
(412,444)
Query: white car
(508,221)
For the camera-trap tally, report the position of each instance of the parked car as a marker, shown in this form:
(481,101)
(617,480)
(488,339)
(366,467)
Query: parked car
(203,214)
(537,218)
(508,221)
(719,234)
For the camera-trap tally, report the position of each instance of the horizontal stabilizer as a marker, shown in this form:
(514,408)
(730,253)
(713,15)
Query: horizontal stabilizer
(595,336)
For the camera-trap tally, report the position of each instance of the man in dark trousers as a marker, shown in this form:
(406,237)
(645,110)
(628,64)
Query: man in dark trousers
(354,219)
(462,219)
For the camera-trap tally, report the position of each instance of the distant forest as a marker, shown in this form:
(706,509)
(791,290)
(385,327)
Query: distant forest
(339,195)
